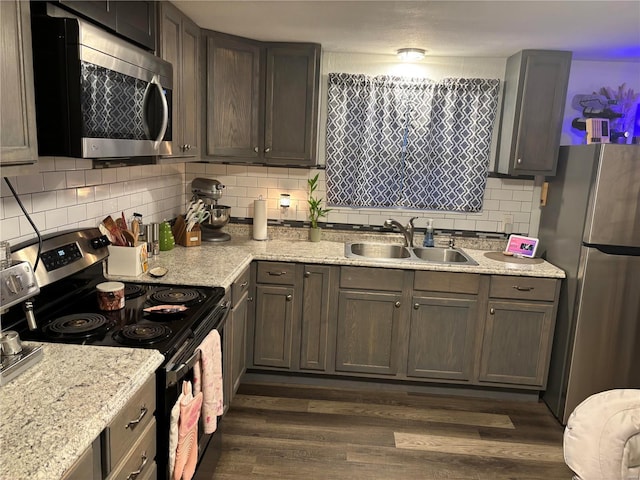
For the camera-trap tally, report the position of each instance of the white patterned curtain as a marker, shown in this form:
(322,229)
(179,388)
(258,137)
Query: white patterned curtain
(413,143)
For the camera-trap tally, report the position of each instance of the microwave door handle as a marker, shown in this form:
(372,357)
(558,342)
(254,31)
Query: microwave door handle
(145,100)
(165,111)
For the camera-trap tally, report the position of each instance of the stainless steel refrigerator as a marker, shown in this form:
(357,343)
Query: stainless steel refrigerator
(590,227)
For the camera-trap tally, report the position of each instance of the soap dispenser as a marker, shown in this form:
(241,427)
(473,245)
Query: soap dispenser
(428,236)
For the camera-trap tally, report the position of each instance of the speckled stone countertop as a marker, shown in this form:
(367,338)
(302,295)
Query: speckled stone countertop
(220,263)
(53,411)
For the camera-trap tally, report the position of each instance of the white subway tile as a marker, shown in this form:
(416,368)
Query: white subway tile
(93,177)
(277,172)
(487,226)
(56,218)
(109,175)
(512,184)
(488,205)
(102,192)
(10,229)
(116,190)
(110,206)
(124,203)
(501,195)
(84,164)
(238,170)
(43,201)
(509,206)
(65,198)
(26,229)
(65,163)
(526,206)
(214,169)
(357,218)
(29,184)
(12,209)
(523,196)
(247,182)
(94,210)
(54,180)
(267,182)
(75,179)
(239,212)
(77,213)
(5,191)
(234,191)
(467,225)
(46,164)
(521,217)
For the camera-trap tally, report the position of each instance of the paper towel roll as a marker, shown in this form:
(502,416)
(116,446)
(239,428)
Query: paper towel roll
(260,219)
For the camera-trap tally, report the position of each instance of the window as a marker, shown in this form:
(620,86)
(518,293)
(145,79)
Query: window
(412,143)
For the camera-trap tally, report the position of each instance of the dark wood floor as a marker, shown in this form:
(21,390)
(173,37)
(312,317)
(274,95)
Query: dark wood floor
(291,432)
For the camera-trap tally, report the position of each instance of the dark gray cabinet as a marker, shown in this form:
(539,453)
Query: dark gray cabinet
(180,45)
(371,313)
(291,327)
(235,336)
(315,319)
(518,331)
(262,100)
(135,20)
(18,139)
(532,107)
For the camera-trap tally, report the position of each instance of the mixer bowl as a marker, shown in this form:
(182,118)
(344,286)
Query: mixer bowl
(220,215)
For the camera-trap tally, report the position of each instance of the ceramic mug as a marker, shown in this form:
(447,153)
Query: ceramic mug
(110,296)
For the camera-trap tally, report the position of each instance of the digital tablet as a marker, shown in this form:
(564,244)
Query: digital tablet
(522,246)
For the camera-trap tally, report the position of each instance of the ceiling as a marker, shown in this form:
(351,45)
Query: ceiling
(594,30)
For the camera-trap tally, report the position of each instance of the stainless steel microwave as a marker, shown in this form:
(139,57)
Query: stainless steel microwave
(98,96)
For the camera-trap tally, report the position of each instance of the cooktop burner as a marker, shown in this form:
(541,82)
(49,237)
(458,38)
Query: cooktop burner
(133,291)
(176,296)
(83,325)
(142,334)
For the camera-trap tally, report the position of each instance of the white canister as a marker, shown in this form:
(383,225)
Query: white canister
(110,296)
(260,219)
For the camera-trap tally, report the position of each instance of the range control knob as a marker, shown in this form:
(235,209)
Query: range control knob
(14,284)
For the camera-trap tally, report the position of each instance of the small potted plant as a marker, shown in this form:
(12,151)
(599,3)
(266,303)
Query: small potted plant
(315,210)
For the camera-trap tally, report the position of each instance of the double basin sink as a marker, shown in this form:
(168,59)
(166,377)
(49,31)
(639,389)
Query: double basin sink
(381,251)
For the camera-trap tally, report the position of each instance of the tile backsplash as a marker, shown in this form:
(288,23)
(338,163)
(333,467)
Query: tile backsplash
(244,184)
(68,194)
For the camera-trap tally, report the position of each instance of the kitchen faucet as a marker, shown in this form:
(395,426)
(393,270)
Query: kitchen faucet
(406,231)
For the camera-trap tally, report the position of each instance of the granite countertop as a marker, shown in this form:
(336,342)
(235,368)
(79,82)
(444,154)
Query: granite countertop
(220,263)
(57,408)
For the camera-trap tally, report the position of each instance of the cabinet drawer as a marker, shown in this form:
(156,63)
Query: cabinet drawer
(240,286)
(276,272)
(381,279)
(447,282)
(141,457)
(123,431)
(523,288)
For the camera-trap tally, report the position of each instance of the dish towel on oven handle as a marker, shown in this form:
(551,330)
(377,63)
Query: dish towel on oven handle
(173,434)
(187,448)
(207,377)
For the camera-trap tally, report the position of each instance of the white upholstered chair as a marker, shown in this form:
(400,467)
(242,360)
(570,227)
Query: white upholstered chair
(602,437)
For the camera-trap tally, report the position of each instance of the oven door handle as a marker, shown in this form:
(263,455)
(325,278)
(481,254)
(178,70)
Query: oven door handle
(176,374)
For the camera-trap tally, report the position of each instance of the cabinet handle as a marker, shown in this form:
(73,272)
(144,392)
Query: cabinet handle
(397,304)
(134,475)
(256,149)
(277,274)
(523,289)
(267,150)
(244,284)
(249,299)
(307,274)
(188,147)
(133,423)
(492,311)
(416,306)
(519,161)
(289,297)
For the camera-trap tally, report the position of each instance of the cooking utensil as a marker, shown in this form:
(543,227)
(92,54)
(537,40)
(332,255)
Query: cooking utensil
(129,238)
(118,239)
(135,230)
(106,232)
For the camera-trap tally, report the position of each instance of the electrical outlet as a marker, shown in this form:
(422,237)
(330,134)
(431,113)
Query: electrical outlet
(507,223)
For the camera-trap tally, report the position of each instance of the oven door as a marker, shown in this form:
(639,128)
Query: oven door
(177,370)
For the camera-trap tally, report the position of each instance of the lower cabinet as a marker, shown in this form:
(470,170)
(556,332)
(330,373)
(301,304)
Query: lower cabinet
(368,332)
(422,326)
(234,362)
(518,331)
(291,321)
(442,332)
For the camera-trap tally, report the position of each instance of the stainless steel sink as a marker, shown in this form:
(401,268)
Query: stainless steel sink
(382,251)
(441,255)
(379,250)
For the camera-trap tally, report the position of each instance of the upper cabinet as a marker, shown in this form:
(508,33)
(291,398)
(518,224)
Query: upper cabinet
(134,20)
(262,101)
(532,108)
(18,138)
(180,45)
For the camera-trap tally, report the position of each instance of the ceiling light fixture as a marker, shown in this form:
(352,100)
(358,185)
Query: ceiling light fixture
(411,54)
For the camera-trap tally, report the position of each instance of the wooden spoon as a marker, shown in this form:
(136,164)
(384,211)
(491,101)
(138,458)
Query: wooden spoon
(135,230)
(115,231)
(129,238)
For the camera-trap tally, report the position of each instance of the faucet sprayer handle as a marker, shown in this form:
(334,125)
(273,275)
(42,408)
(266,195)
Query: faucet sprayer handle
(411,221)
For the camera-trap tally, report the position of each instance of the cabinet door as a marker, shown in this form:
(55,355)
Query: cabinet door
(180,45)
(535,90)
(516,343)
(17,103)
(315,317)
(233,97)
(238,333)
(368,332)
(441,337)
(170,50)
(291,110)
(102,11)
(273,332)
(136,20)
(190,88)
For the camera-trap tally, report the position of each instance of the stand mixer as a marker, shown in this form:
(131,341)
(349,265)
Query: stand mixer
(210,191)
